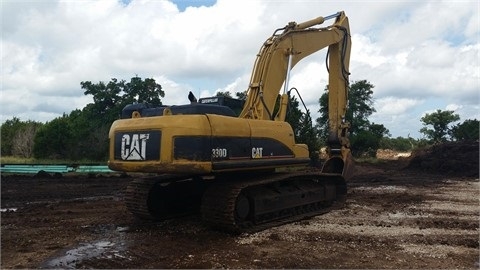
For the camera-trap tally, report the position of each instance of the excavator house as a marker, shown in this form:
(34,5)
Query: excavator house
(245,172)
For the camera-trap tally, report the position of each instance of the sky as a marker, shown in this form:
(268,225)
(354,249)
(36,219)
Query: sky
(421,56)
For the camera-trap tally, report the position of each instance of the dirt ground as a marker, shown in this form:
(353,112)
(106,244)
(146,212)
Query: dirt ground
(395,216)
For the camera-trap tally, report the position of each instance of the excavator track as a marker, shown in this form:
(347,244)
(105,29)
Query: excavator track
(237,203)
(164,197)
(249,205)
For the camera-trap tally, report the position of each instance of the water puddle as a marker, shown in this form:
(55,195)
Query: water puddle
(114,248)
(5,210)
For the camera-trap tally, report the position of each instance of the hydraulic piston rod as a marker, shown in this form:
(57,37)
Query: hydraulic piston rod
(318,20)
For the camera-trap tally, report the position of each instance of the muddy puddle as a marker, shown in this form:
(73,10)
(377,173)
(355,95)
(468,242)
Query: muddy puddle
(7,210)
(112,246)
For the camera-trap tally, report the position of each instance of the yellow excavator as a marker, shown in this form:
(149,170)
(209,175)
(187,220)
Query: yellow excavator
(245,172)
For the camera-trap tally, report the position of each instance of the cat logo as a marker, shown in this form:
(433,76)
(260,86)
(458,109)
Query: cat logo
(257,152)
(134,146)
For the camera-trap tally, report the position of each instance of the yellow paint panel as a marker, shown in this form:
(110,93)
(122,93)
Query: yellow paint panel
(229,126)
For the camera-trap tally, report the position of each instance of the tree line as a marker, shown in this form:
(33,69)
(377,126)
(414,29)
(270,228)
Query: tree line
(83,134)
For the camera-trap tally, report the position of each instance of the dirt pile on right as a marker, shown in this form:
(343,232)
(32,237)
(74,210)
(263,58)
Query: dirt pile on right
(451,158)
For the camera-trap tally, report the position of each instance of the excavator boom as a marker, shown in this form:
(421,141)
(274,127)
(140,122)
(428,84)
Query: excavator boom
(280,53)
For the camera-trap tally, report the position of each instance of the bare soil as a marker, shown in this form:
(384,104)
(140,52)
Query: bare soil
(395,216)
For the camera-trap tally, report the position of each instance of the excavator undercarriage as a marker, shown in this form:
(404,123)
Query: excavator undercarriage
(238,203)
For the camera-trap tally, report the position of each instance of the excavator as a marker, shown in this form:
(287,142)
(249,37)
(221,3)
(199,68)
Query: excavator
(243,173)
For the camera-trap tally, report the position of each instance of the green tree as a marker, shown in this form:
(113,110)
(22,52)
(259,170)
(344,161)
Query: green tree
(90,136)
(17,137)
(301,123)
(238,95)
(241,95)
(366,142)
(83,134)
(94,121)
(467,130)
(398,143)
(143,91)
(359,109)
(439,122)
(8,130)
(294,115)
(54,139)
(364,136)
(23,141)
(110,98)
(307,134)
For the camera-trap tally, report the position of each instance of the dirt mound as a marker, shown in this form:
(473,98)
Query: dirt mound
(452,158)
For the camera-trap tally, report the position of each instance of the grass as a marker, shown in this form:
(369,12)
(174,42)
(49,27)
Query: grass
(21,161)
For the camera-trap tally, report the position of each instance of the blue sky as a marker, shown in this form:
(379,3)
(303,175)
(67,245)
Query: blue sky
(420,55)
(183,4)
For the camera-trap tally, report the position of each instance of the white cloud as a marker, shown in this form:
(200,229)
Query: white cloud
(395,106)
(397,114)
(431,69)
(310,78)
(239,85)
(366,52)
(453,107)
(175,93)
(465,112)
